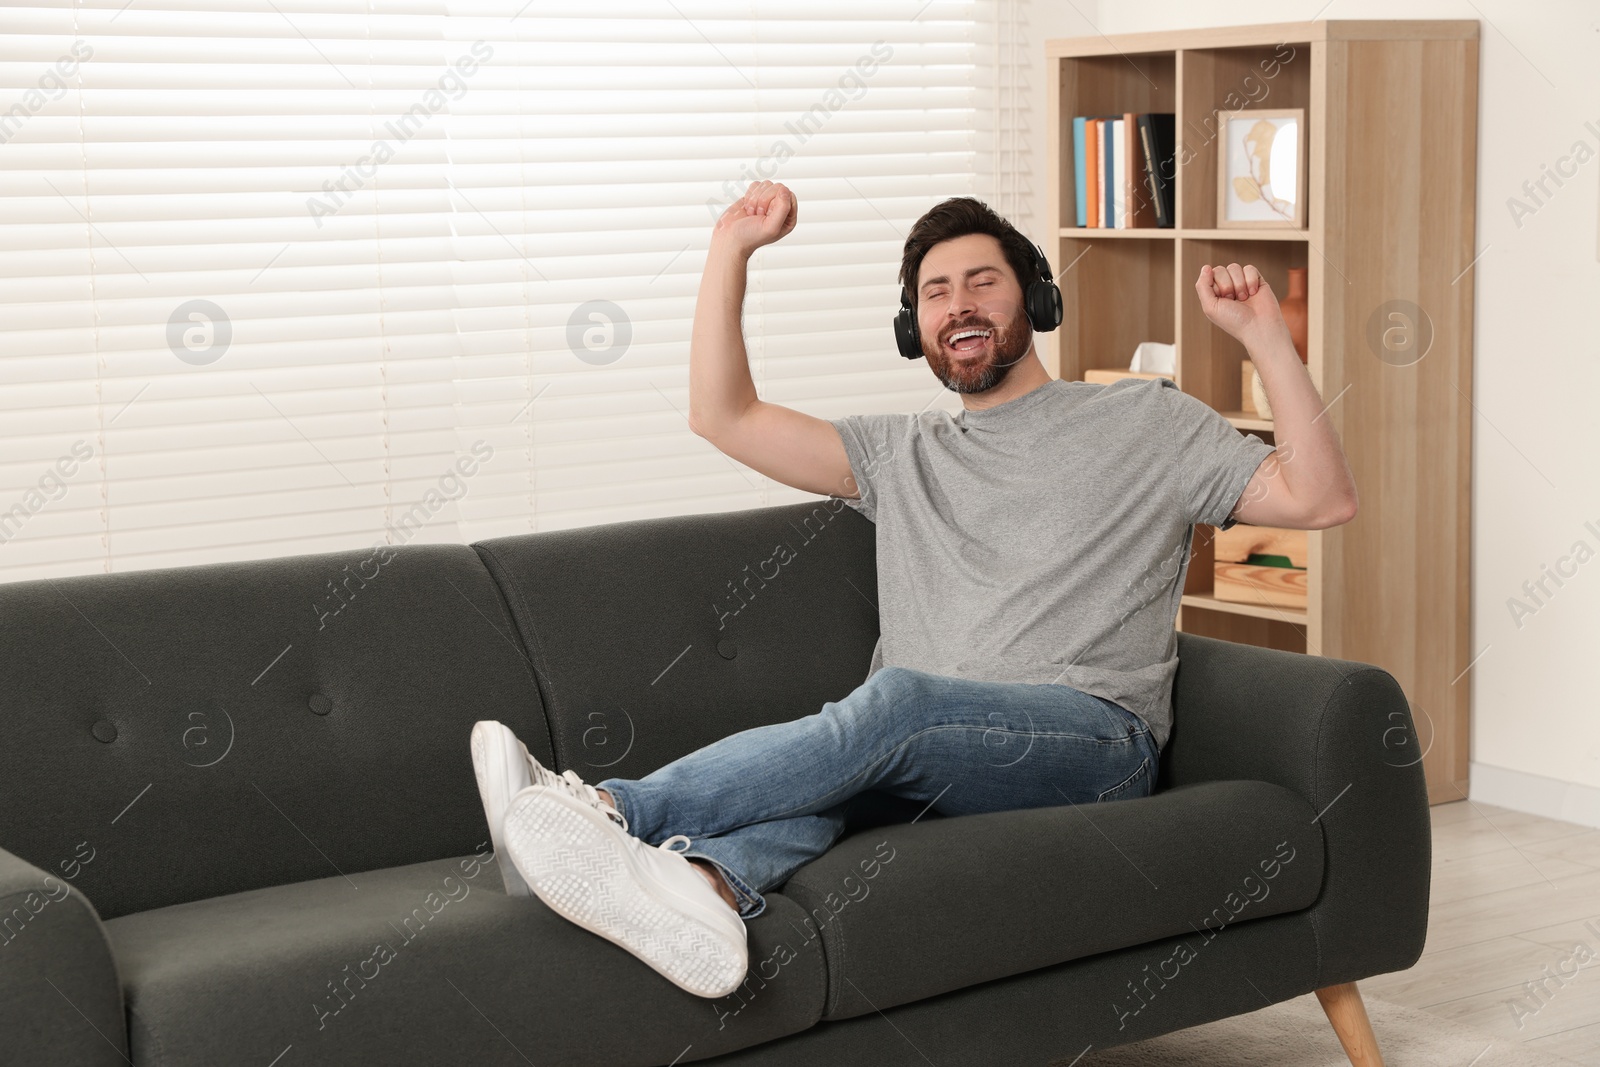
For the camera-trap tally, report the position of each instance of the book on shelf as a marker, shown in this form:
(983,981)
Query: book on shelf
(1123,170)
(1137,209)
(1108,178)
(1119,174)
(1157,145)
(1081,195)
(1089,171)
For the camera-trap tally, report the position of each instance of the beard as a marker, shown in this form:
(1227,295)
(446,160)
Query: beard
(978,374)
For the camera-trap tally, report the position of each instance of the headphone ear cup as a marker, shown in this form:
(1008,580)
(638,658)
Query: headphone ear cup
(1043,299)
(1044,306)
(907,337)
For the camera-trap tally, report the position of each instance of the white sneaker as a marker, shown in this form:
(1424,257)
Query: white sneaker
(576,854)
(503,768)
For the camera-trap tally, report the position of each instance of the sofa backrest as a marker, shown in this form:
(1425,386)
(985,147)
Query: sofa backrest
(651,639)
(176,734)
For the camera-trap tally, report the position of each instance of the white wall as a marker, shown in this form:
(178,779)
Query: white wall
(1536,439)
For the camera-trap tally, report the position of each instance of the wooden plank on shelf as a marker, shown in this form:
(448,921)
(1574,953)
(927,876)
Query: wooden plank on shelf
(1401,29)
(1248,420)
(1319,30)
(1141,233)
(1186,40)
(1259,611)
(1276,632)
(1249,234)
(1107,375)
(1247,583)
(1058,170)
(1401,141)
(1241,541)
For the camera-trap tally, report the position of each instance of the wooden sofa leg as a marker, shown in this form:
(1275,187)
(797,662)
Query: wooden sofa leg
(1349,1018)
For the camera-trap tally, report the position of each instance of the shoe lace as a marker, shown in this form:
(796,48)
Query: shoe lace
(569,782)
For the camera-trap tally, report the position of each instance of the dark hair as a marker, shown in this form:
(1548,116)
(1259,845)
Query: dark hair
(958,217)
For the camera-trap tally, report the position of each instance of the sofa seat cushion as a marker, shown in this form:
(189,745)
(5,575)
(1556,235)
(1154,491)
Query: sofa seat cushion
(910,911)
(426,964)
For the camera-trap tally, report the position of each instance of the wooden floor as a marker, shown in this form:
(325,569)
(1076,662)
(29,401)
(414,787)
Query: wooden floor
(1513,931)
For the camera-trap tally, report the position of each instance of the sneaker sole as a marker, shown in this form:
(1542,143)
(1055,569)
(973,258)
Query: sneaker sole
(575,863)
(495,763)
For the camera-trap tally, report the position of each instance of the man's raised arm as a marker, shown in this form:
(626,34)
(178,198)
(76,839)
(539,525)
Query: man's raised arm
(786,445)
(1317,490)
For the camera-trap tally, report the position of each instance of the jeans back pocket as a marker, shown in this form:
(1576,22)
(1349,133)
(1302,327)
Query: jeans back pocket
(1135,785)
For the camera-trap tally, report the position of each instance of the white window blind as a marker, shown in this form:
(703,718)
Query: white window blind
(287,276)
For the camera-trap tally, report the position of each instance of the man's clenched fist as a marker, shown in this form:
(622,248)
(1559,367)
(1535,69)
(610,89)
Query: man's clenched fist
(764,214)
(1239,300)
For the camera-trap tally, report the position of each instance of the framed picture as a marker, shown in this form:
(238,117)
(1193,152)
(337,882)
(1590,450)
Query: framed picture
(1261,169)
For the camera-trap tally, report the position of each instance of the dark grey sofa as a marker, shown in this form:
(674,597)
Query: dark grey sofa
(240,824)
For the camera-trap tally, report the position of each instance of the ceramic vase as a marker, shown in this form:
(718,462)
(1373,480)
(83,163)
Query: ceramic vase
(1293,307)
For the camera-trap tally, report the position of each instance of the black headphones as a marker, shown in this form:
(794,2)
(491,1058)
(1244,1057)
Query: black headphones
(1041,299)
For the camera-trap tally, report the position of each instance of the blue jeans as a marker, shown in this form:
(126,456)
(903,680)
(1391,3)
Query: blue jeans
(761,803)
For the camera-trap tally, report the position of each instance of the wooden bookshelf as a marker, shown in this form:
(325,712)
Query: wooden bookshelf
(1391,124)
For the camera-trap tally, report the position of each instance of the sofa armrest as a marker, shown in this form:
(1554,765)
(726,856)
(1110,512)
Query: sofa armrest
(1339,733)
(60,996)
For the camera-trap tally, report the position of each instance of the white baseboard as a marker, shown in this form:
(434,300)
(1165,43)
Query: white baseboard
(1535,794)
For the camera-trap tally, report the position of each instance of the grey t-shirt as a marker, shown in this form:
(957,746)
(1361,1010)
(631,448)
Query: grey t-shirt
(1046,539)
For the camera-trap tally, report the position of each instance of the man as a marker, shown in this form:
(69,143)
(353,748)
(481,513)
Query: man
(1031,553)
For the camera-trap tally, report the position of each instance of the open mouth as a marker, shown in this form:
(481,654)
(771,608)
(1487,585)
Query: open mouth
(968,342)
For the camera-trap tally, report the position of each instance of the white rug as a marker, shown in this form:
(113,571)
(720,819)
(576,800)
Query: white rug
(1296,1033)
